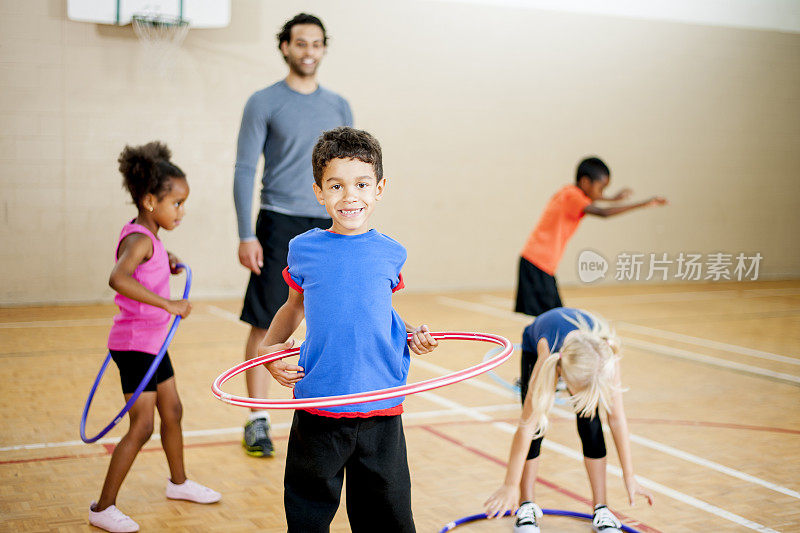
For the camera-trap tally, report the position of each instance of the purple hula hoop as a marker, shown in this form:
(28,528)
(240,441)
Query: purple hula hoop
(555,512)
(145,380)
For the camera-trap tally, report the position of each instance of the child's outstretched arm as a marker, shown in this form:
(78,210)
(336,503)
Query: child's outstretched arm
(286,321)
(507,496)
(619,430)
(604,212)
(624,194)
(422,341)
(134,250)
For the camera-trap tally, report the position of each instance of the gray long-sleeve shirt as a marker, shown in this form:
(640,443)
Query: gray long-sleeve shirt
(284,125)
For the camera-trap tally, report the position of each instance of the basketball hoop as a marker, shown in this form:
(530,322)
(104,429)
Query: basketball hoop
(160,25)
(161,37)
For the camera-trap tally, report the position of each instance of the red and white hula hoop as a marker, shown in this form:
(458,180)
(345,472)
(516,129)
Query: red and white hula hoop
(361,397)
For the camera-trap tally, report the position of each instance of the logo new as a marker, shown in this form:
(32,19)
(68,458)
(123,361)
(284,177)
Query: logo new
(591,266)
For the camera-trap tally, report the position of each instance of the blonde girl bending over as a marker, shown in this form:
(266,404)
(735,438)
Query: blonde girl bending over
(582,349)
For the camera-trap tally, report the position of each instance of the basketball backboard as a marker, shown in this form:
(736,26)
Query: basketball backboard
(198,13)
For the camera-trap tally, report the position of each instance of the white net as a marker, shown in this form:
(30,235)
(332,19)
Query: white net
(161,38)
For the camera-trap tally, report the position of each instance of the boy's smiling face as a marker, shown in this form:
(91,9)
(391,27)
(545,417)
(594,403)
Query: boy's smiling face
(349,191)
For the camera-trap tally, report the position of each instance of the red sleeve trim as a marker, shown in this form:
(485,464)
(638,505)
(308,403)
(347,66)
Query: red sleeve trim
(400,284)
(290,282)
(392,411)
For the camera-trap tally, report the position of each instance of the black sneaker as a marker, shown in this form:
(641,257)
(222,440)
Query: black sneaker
(527,514)
(605,521)
(256,440)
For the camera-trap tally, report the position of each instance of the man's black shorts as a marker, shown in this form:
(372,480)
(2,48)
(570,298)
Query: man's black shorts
(267,292)
(537,290)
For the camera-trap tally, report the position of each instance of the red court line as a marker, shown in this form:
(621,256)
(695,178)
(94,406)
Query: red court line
(627,519)
(109,449)
(54,458)
(694,423)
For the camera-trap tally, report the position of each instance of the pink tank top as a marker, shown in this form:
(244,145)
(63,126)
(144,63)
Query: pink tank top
(142,327)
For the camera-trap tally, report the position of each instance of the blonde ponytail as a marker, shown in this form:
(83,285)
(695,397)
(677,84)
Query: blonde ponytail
(541,394)
(588,365)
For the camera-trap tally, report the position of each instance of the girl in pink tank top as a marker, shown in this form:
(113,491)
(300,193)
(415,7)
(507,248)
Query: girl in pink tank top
(141,278)
(141,326)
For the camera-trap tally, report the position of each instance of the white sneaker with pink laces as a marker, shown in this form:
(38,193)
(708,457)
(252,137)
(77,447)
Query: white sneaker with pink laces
(112,519)
(191,491)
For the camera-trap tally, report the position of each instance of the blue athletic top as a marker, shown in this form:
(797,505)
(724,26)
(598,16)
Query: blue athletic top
(284,125)
(355,341)
(553,326)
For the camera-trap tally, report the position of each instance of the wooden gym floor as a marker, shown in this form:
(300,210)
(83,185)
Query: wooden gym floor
(714,390)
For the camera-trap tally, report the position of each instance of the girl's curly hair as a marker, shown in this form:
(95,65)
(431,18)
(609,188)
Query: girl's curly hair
(146,169)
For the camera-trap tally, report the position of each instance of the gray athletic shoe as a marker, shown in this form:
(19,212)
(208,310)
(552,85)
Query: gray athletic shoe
(256,440)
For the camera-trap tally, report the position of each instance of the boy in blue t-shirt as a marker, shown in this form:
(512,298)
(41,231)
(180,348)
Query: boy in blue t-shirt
(342,280)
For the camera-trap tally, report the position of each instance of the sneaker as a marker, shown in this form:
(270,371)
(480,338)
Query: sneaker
(605,521)
(256,438)
(527,514)
(191,491)
(112,519)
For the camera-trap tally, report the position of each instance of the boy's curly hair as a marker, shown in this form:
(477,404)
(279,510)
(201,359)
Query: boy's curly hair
(346,143)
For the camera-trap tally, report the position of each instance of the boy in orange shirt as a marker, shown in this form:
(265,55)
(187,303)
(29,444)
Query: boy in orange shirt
(537,290)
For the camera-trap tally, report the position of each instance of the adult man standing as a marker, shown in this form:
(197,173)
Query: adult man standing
(283,122)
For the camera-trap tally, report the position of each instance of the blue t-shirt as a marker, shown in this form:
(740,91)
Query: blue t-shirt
(553,326)
(355,341)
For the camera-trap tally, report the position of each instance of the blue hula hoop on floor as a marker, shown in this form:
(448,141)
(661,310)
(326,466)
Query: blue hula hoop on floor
(554,512)
(147,377)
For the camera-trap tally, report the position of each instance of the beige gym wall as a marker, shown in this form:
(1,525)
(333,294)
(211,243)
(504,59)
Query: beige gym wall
(483,113)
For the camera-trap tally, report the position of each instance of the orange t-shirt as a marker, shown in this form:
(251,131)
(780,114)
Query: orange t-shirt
(560,219)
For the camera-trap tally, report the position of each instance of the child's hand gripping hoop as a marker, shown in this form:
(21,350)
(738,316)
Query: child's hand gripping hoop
(361,397)
(145,379)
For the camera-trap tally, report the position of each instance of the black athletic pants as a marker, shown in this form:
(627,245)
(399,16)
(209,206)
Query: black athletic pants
(372,451)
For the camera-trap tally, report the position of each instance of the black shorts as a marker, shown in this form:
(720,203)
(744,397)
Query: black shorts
(537,291)
(267,292)
(371,452)
(134,365)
